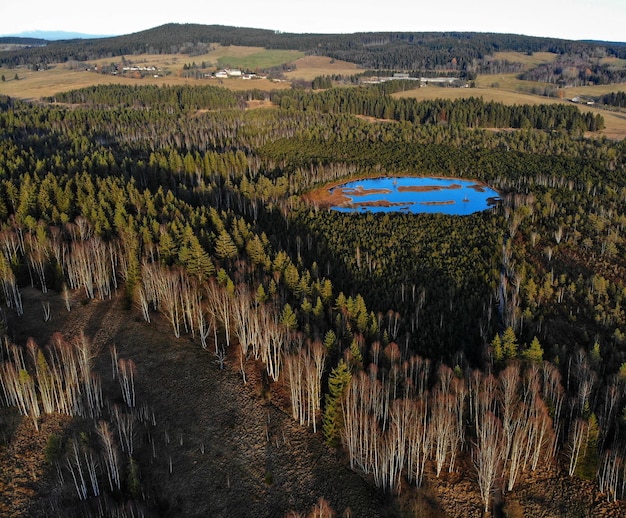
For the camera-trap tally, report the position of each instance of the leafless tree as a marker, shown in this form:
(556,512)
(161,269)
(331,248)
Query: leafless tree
(578,438)
(488,454)
(125,424)
(18,386)
(418,374)
(110,455)
(12,295)
(37,252)
(74,464)
(220,302)
(510,403)
(611,475)
(419,442)
(127,370)
(442,427)
(294,372)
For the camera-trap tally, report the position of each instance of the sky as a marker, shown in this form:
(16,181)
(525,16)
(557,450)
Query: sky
(568,19)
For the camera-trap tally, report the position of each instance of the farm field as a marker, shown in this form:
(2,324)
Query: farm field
(219,56)
(310,67)
(34,85)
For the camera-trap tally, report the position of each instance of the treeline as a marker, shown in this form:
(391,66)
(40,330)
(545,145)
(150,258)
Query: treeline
(575,70)
(473,112)
(23,41)
(166,97)
(614,99)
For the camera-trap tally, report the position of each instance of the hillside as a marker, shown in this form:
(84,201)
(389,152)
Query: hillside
(217,447)
(391,51)
(212,337)
(233,450)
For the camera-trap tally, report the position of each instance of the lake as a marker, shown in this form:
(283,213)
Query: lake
(416,195)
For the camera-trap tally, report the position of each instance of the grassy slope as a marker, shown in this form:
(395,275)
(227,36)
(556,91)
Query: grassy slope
(35,85)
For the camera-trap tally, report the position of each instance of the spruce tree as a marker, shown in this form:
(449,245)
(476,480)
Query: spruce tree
(509,343)
(534,353)
(332,422)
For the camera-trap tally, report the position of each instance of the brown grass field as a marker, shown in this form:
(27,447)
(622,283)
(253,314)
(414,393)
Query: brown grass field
(505,88)
(37,85)
(537,58)
(310,67)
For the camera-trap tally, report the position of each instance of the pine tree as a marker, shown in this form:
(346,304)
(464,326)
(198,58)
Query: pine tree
(261,296)
(332,422)
(167,247)
(225,247)
(288,318)
(534,353)
(509,343)
(496,345)
(330,340)
(357,357)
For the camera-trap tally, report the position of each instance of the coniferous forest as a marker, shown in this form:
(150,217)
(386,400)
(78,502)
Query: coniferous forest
(487,351)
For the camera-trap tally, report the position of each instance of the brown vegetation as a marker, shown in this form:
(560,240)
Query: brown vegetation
(221,448)
(427,188)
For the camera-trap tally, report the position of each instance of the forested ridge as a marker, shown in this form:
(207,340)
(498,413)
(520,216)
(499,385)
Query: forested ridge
(490,345)
(463,54)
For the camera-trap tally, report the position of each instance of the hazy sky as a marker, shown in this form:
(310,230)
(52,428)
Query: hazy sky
(569,19)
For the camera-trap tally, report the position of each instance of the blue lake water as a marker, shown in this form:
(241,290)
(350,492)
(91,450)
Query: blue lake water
(417,195)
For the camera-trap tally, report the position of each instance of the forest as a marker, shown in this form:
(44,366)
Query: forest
(418,346)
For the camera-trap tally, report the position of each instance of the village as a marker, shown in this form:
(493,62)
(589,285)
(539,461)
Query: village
(423,81)
(192,71)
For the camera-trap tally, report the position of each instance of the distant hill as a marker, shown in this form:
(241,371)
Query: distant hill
(55,35)
(463,52)
(19,40)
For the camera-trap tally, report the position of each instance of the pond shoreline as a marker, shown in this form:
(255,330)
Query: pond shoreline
(348,196)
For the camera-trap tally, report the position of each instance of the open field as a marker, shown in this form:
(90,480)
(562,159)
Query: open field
(529,60)
(62,77)
(617,62)
(488,94)
(36,85)
(510,82)
(506,82)
(310,67)
(260,59)
(219,56)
